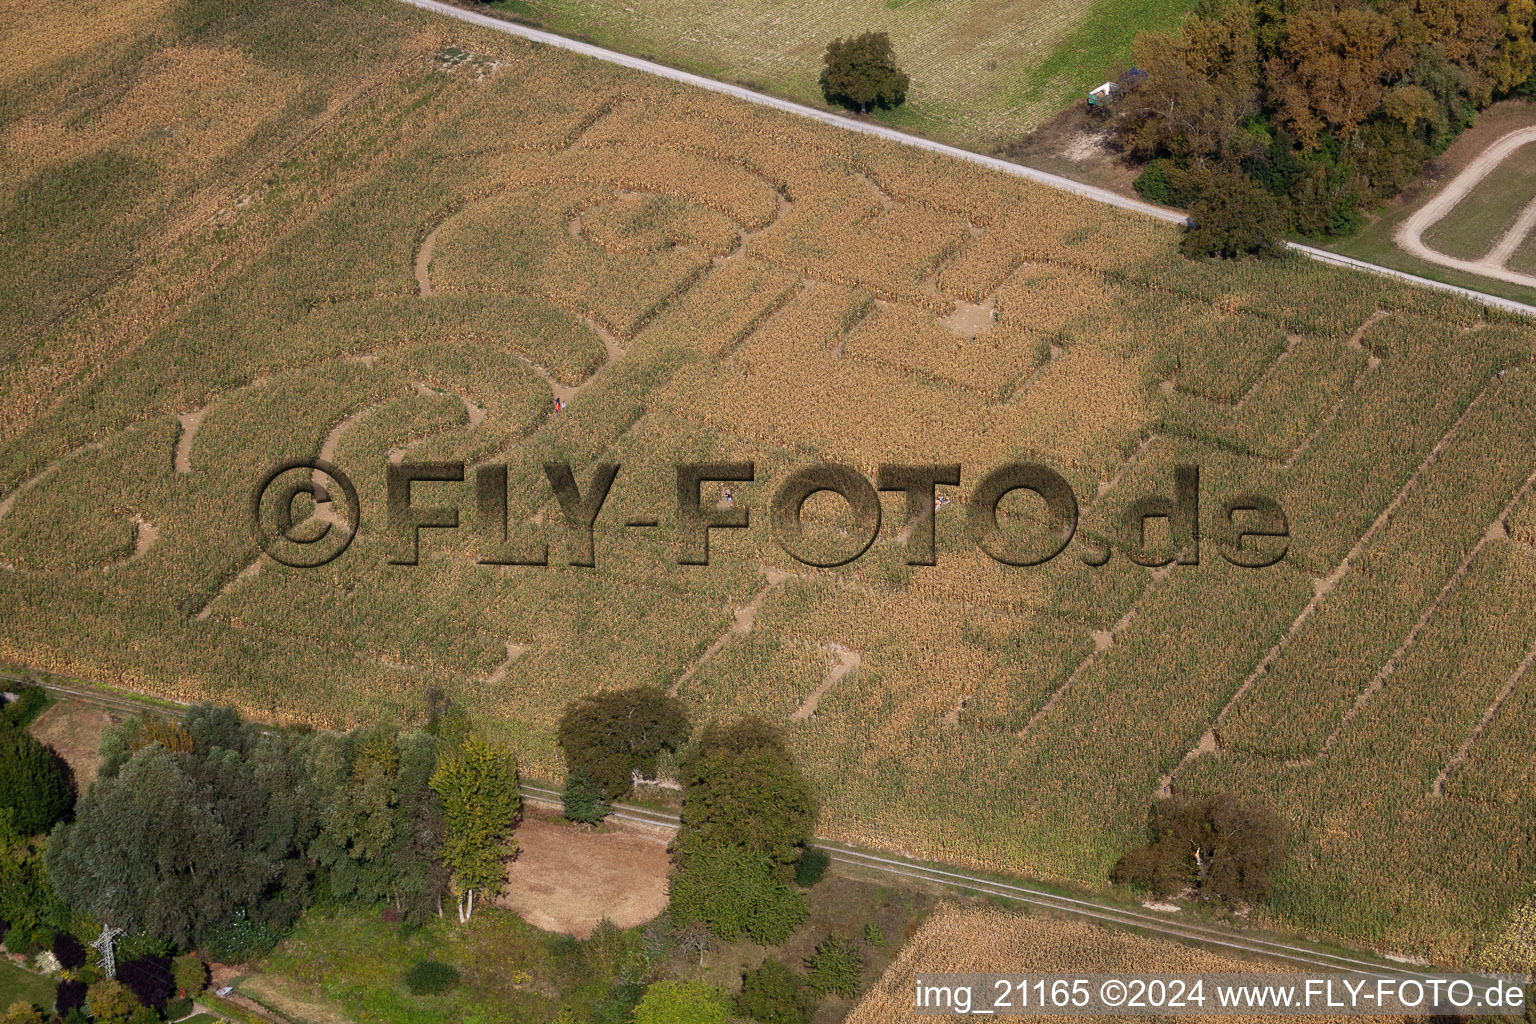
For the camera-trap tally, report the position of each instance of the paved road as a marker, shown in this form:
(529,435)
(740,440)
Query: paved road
(1099,195)
(1409,234)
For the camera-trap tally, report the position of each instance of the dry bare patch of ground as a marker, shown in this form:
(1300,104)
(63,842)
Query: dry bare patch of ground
(567,878)
(74,729)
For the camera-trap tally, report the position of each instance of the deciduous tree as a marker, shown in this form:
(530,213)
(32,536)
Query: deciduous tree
(682,1002)
(616,733)
(745,792)
(1219,847)
(861,72)
(482,803)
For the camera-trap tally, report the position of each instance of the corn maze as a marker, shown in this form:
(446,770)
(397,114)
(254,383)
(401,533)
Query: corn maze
(323,237)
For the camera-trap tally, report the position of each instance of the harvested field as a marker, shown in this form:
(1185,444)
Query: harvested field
(701,280)
(984,940)
(567,878)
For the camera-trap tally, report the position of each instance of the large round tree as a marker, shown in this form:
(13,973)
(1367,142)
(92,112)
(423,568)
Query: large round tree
(861,72)
(619,732)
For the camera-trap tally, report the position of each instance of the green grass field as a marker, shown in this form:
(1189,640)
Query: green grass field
(279,299)
(24,986)
(983,72)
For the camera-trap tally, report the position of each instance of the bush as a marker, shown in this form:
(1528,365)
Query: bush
(430,978)
(191,974)
(734,892)
(835,967)
(21,1012)
(1234,216)
(240,940)
(5,926)
(70,995)
(34,782)
(617,733)
(811,867)
(861,71)
(1164,183)
(678,1002)
(68,950)
(1219,847)
(110,1002)
(178,1008)
(583,797)
(30,702)
(775,994)
(149,978)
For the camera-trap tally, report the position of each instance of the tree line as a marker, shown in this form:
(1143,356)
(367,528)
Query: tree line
(1270,116)
(213,834)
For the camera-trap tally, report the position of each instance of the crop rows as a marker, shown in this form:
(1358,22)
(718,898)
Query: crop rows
(701,280)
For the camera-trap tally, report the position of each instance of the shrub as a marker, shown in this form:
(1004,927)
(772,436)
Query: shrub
(811,867)
(191,974)
(678,1002)
(70,995)
(583,797)
(430,978)
(68,950)
(21,1012)
(734,892)
(619,732)
(34,782)
(1234,216)
(1217,846)
(861,71)
(178,1008)
(874,934)
(149,978)
(240,939)
(5,926)
(775,994)
(30,702)
(835,967)
(110,1002)
(1162,182)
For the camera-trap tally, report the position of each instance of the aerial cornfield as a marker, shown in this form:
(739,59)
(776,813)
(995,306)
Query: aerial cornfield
(965,940)
(286,230)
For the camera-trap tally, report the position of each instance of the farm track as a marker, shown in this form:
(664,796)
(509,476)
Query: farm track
(1410,234)
(1104,912)
(1055,181)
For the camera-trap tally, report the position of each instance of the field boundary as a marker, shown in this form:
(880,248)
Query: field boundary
(1056,181)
